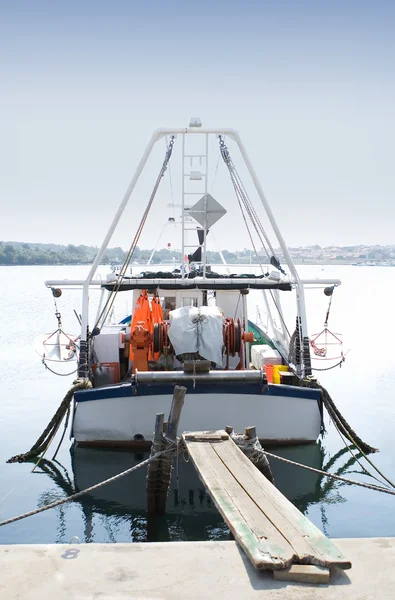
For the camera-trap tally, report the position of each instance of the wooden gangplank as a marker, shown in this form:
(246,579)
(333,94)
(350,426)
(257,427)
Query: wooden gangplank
(271,530)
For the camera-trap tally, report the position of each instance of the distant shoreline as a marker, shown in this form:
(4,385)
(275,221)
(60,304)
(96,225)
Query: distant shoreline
(46,254)
(142,265)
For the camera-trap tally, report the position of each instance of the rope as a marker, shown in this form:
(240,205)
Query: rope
(111,298)
(329,308)
(256,252)
(159,478)
(56,373)
(369,486)
(64,432)
(240,190)
(255,453)
(343,427)
(356,458)
(367,458)
(332,367)
(215,175)
(82,492)
(171,184)
(243,199)
(171,449)
(337,417)
(46,437)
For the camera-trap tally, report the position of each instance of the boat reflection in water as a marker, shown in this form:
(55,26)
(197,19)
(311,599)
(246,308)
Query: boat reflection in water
(190,512)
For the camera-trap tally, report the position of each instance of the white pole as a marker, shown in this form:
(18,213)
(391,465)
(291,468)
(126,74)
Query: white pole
(232,133)
(183,208)
(281,315)
(100,303)
(269,312)
(205,212)
(99,282)
(85,294)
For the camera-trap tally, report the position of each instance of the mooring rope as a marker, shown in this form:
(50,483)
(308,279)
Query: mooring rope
(255,453)
(171,450)
(47,435)
(356,458)
(55,372)
(343,426)
(64,432)
(160,483)
(337,417)
(86,490)
(330,368)
(369,486)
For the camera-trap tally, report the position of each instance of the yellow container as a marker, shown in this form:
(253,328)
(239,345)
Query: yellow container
(276,372)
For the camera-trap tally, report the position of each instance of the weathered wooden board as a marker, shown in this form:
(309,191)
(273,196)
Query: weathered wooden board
(271,530)
(209,436)
(303,573)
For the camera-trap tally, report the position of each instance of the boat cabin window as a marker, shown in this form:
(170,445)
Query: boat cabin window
(169,303)
(189,301)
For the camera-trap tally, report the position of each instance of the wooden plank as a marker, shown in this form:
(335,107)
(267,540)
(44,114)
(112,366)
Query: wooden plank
(252,485)
(303,574)
(264,495)
(206,436)
(272,531)
(309,543)
(261,541)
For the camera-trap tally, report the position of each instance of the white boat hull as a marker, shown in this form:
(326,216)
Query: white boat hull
(279,415)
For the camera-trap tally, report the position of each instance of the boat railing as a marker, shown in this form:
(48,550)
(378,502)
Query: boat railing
(152,282)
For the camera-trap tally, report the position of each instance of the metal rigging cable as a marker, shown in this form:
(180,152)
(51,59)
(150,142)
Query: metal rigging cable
(243,195)
(171,184)
(260,265)
(110,300)
(215,173)
(246,206)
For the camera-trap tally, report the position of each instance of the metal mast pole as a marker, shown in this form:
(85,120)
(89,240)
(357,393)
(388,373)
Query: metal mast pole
(83,368)
(183,207)
(205,211)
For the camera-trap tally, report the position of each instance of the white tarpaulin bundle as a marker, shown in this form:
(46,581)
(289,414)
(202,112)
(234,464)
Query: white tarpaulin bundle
(197,330)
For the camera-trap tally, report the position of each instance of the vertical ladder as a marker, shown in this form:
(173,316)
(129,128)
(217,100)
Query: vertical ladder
(194,186)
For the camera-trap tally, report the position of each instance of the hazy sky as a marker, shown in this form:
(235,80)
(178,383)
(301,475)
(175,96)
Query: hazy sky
(310,85)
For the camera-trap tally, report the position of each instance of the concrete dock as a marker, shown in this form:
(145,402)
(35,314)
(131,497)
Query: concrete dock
(187,570)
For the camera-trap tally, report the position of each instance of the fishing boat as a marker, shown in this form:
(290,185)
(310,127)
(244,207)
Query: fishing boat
(193,325)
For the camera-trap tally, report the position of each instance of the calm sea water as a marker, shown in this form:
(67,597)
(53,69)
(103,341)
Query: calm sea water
(363,390)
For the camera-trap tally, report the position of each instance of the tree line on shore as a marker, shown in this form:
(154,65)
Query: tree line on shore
(22,253)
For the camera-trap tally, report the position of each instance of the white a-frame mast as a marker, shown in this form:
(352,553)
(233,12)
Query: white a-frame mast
(184,132)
